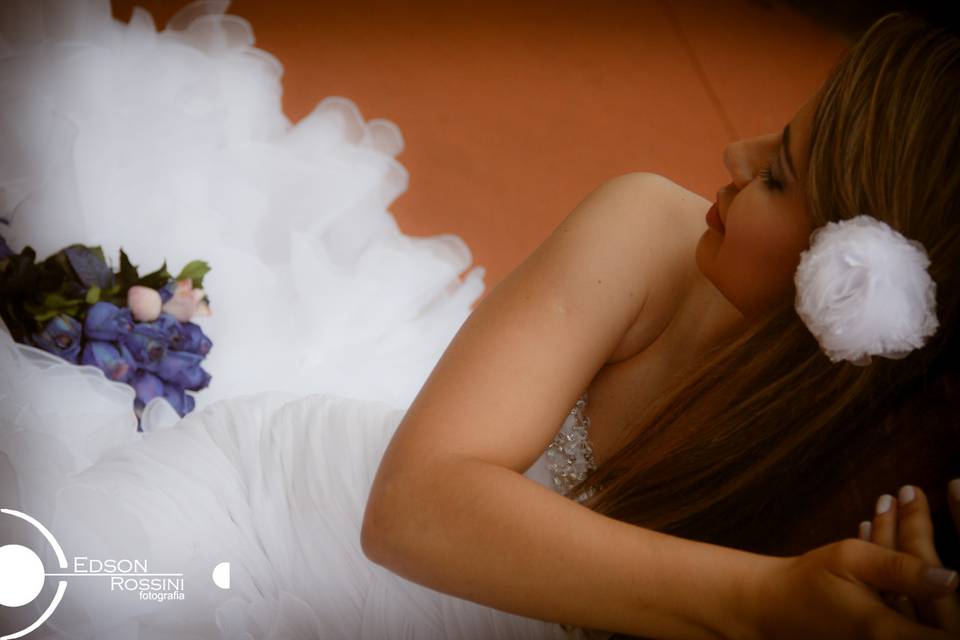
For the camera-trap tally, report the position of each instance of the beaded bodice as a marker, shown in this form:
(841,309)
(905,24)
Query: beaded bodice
(567,460)
(569,457)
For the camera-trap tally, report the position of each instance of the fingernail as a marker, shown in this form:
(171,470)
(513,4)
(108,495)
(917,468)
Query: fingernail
(940,576)
(955,489)
(883,504)
(865,530)
(906,494)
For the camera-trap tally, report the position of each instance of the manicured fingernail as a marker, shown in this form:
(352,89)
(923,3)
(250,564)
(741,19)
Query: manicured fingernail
(883,504)
(906,494)
(955,489)
(940,576)
(865,530)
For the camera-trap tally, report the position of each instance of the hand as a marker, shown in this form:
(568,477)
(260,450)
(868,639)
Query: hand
(905,525)
(830,592)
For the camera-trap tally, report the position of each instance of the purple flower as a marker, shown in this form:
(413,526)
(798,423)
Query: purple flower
(60,336)
(166,292)
(106,321)
(117,363)
(148,345)
(196,341)
(175,364)
(178,398)
(148,387)
(172,329)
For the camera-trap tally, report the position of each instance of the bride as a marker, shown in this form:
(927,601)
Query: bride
(631,288)
(344,516)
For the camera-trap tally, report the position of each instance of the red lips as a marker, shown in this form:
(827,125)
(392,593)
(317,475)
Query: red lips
(713,219)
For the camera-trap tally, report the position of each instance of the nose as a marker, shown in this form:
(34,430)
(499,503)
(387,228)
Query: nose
(744,158)
(735,159)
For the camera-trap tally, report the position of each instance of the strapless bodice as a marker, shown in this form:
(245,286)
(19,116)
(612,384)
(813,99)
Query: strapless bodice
(569,456)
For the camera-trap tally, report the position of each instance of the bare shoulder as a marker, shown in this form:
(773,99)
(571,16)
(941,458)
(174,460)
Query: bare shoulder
(537,340)
(673,215)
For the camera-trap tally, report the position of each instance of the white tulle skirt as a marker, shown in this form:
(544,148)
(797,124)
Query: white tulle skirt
(275,484)
(173,146)
(327,320)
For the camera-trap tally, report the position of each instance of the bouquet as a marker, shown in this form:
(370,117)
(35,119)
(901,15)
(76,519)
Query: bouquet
(136,329)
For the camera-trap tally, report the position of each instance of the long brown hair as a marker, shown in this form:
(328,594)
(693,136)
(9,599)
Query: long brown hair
(753,444)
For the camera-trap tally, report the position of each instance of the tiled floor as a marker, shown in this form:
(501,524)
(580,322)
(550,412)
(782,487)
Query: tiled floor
(513,111)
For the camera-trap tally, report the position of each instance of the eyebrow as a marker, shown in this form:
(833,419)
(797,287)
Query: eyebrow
(786,150)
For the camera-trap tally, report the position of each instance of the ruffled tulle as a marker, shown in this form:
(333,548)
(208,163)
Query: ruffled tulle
(173,146)
(327,321)
(273,483)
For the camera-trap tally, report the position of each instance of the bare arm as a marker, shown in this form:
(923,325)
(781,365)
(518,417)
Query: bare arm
(449,507)
(490,535)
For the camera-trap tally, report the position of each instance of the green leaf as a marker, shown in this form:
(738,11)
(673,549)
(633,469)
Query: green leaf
(93,294)
(195,270)
(156,279)
(56,270)
(53,303)
(128,272)
(46,315)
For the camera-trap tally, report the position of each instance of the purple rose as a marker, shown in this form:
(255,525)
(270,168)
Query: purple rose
(172,329)
(60,336)
(183,369)
(106,321)
(196,341)
(147,344)
(148,387)
(178,398)
(117,363)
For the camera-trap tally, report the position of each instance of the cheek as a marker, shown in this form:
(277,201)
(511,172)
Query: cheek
(766,243)
(754,262)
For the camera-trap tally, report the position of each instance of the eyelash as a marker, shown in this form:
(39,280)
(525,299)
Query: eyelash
(769,180)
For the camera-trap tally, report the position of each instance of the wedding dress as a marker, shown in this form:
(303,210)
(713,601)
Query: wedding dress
(273,483)
(327,320)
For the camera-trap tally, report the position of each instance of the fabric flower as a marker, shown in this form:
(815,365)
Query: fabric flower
(116,362)
(178,398)
(166,292)
(107,322)
(173,330)
(186,301)
(148,386)
(60,336)
(196,341)
(148,345)
(863,289)
(145,303)
(178,369)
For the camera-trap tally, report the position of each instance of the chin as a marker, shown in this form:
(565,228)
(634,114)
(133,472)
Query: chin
(705,252)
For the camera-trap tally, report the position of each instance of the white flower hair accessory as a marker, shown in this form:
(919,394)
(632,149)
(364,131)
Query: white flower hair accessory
(863,290)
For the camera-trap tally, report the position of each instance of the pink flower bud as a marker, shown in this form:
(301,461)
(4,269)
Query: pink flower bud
(203,309)
(185,301)
(144,303)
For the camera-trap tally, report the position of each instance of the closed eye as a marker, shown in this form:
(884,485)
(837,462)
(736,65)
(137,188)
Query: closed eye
(767,175)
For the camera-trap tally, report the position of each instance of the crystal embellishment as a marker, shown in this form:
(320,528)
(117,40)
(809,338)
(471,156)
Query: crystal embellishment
(570,456)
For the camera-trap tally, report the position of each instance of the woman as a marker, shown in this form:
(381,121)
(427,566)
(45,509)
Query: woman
(710,401)
(277,485)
